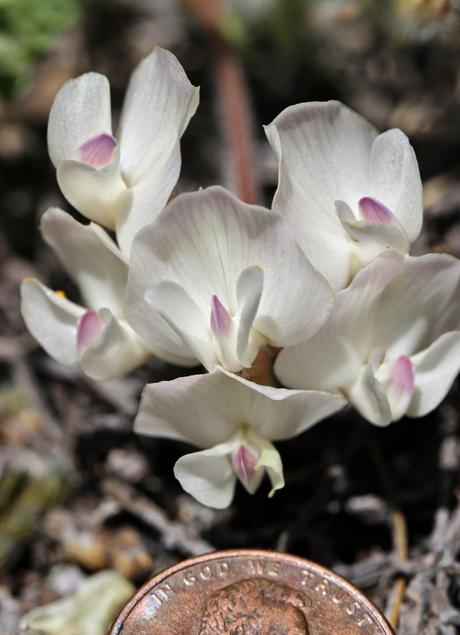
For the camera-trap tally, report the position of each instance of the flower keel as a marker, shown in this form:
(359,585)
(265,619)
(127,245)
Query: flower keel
(221,321)
(89,326)
(97,151)
(373,211)
(244,461)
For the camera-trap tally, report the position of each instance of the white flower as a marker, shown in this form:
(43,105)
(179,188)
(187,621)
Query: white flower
(97,337)
(390,344)
(122,184)
(235,420)
(227,276)
(348,192)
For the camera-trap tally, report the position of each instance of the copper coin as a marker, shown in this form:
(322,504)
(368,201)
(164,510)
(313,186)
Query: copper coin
(247,592)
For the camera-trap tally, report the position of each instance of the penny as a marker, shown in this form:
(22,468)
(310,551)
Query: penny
(247,592)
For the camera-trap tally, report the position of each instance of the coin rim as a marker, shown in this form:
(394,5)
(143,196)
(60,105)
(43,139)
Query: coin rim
(285,558)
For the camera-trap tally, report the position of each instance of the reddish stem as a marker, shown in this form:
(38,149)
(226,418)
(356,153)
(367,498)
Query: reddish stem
(233,101)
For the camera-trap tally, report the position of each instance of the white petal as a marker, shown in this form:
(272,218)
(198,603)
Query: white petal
(207,410)
(51,319)
(419,305)
(159,103)
(114,351)
(371,238)
(203,241)
(367,394)
(171,347)
(279,413)
(270,461)
(185,341)
(145,200)
(81,110)
(399,304)
(97,193)
(396,179)
(158,106)
(199,409)
(328,361)
(189,322)
(435,370)
(208,476)
(331,359)
(323,151)
(90,257)
(249,290)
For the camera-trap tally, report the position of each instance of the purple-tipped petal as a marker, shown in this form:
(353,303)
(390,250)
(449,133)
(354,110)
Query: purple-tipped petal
(402,375)
(81,110)
(373,211)
(244,463)
(221,321)
(88,327)
(97,151)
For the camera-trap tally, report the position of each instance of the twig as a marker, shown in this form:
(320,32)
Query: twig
(399,536)
(401,550)
(173,534)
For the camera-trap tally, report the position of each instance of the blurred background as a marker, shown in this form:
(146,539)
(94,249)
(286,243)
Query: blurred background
(79,494)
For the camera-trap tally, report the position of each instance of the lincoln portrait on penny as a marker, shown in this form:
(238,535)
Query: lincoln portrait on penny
(254,607)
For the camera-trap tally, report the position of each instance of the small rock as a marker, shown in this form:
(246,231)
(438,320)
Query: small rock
(65,579)
(129,555)
(128,464)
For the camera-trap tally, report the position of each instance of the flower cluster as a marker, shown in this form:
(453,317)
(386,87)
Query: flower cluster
(120,183)
(322,285)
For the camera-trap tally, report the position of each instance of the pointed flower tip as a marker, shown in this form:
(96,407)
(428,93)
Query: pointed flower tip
(373,211)
(97,151)
(402,375)
(221,321)
(244,463)
(88,327)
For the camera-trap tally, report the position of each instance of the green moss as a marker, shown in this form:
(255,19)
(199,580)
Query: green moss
(28,29)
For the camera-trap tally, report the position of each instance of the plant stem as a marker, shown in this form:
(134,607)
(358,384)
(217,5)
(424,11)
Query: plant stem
(401,551)
(399,536)
(233,101)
